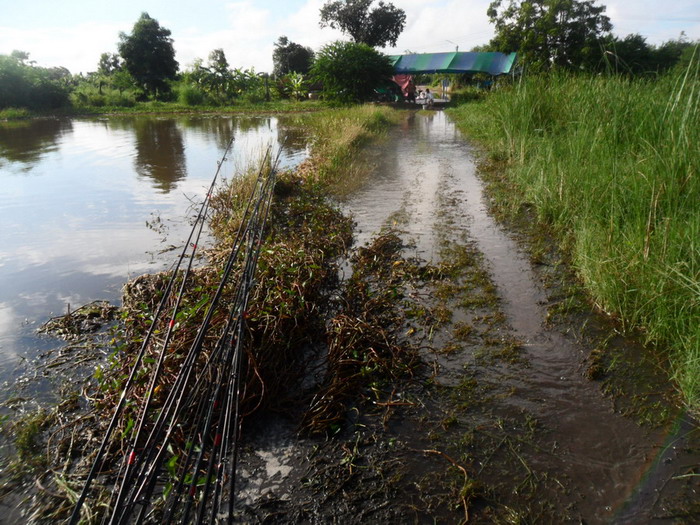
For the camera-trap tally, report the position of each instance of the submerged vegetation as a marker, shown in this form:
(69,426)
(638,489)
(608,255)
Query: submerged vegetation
(611,164)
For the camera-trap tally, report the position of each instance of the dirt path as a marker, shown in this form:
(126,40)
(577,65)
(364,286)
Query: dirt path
(506,423)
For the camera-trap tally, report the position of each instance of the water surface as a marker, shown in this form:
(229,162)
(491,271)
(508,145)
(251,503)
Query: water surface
(86,204)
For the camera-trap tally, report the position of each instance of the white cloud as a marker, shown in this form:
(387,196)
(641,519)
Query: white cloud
(78,47)
(441,25)
(302,27)
(646,18)
(245,41)
(250,40)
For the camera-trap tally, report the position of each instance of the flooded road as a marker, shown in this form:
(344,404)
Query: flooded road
(86,204)
(501,423)
(425,184)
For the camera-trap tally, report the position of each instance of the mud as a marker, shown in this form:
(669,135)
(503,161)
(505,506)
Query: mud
(530,407)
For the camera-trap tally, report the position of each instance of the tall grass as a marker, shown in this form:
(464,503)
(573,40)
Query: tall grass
(613,165)
(337,133)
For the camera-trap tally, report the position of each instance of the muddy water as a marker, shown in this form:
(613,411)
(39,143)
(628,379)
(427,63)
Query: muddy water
(425,184)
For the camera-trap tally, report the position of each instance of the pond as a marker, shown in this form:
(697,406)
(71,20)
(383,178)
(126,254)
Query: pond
(86,204)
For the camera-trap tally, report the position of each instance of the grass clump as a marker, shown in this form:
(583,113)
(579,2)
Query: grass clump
(15,114)
(612,164)
(337,135)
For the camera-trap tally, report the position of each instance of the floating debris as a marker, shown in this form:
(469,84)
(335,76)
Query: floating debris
(74,324)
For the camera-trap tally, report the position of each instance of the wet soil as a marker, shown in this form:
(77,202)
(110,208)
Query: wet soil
(529,407)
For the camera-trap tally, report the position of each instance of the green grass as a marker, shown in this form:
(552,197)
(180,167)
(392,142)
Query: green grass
(274,106)
(15,114)
(337,134)
(613,165)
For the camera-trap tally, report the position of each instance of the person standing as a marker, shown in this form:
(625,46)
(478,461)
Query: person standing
(411,92)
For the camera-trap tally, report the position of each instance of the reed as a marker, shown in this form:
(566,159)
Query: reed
(613,165)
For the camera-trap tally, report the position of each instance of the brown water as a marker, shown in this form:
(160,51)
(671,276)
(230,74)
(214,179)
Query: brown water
(426,184)
(85,204)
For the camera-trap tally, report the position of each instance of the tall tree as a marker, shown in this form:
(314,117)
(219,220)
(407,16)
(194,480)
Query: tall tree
(109,64)
(377,27)
(289,56)
(149,55)
(218,63)
(550,33)
(217,79)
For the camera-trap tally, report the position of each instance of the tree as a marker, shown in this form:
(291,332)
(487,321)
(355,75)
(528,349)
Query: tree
(630,55)
(668,54)
(550,33)
(23,85)
(291,57)
(218,63)
(377,28)
(633,56)
(22,57)
(350,71)
(149,55)
(217,79)
(690,58)
(109,64)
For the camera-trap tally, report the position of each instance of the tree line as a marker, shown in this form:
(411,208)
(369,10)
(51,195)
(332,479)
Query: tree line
(547,35)
(576,35)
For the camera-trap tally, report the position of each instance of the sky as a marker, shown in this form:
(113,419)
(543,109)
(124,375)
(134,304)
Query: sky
(74,33)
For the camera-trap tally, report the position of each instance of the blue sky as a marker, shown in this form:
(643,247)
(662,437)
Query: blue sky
(73,33)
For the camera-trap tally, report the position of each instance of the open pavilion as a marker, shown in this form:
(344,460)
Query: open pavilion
(491,63)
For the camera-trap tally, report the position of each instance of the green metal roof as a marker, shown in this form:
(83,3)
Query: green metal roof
(467,62)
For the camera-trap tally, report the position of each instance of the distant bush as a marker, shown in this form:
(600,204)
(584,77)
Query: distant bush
(81,98)
(126,99)
(25,86)
(292,85)
(14,114)
(90,96)
(349,72)
(254,96)
(190,95)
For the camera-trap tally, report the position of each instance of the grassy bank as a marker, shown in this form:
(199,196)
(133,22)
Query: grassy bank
(612,165)
(274,106)
(337,134)
(156,107)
